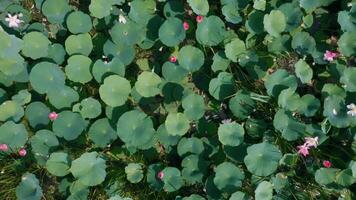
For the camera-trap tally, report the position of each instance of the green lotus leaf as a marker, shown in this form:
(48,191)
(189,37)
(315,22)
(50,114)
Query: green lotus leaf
(102,133)
(55,10)
(346,44)
(194,106)
(212,191)
(14,135)
(90,108)
(172,179)
(78,191)
(349,79)
(152,178)
(220,62)
(335,111)
(211,31)
(100,8)
(123,52)
(41,144)
(89,169)
(231,14)
(22,97)
(255,127)
(37,114)
(130,33)
(29,188)
(79,22)
(67,94)
(36,45)
(171,32)
(151,32)
(345,178)
(191,58)
(134,172)
(69,125)
(200,7)
(325,176)
(303,71)
(239,196)
(57,53)
(141,11)
(278,81)
(79,44)
(235,49)
(275,22)
(293,15)
(11,63)
(191,145)
(194,169)
(135,128)
(11,110)
(264,191)
(254,24)
(303,43)
(164,138)
(231,134)
(194,197)
(58,164)
(115,90)
(46,77)
(309,106)
(147,84)
(228,177)
(173,72)
(290,128)
(241,105)
(289,100)
(174,8)
(346,21)
(177,124)
(222,86)
(78,69)
(102,69)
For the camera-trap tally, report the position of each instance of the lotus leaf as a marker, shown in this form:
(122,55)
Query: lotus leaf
(147,84)
(200,7)
(228,177)
(79,22)
(194,168)
(69,125)
(134,172)
(29,188)
(90,108)
(279,81)
(303,43)
(115,90)
(194,106)
(102,69)
(241,105)
(58,164)
(349,79)
(46,77)
(78,69)
(37,114)
(79,44)
(275,23)
(172,179)
(303,71)
(102,133)
(222,86)
(68,97)
(14,135)
(41,144)
(123,52)
(173,72)
(55,10)
(211,31)
(11,110)
(130,33)
(191,145)
(177,124)
(100,8)
(235,49)
(171,32)
(264,191)
(36,45)
(231,134)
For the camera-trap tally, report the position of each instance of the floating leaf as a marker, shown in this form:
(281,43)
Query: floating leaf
(101,133)
(177,124)
(231,134)
(275,22)
(36,45)
(69,125)
(134,172)
(58,164)
(78,69)
(147,84)
(115,90)
(191,58)
(171,32)
(46,77)
(211,31)
(79,22)
(29,188)
(228,177)
(200,7)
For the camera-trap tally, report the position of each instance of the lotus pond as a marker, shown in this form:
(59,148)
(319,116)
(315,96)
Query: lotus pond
(177,100)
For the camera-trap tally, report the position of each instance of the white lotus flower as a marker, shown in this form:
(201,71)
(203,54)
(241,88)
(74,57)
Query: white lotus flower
(14,21)
(352,109)
(122,19)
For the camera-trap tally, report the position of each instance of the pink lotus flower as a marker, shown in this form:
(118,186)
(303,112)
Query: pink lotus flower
(311,142)
(327,164)
(330,56)
(14,21)
(160,175)
(4,147)
(22,152)
(186,26)
(199,18)
(303,150)
(53,116)
(173,59)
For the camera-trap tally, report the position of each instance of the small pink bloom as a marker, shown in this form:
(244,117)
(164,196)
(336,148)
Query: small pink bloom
(199,18)
(22,152)
(14,21)
(160,175)
(311,142)
(327,163)
(186,26)
(330,56)
(303,150)
(173,59)
(53,116)
(4,147)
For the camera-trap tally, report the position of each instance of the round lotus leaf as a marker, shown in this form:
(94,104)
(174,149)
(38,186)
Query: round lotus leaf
(100,8)
(130,33)
(278,81)
(346,43)
(135,128)
(37,114)
(194,169)
(231,134)
(134,172)
(262,159)
(177,124)
(142,11)
(46,77)
(172,179)
(291,129)
(58,164)
(123,52)
(171,32)
(102,69)
(199,7)
(349,79)
(303,43)
(147,84)
(67,97)
(115,90)
(346,22)
(222,86)
(325,176)
(228,177)
(14,135)
(79,44)
(254,24)
(264,191)
(11,110)
(57,53)
(164,138)
(275,22)
(152,178)
(191,58)
(151,34)
(173,72)
(101,133)
(235,49)
(191,145)
(36,45)
(194,106)
(293,15)
(90,108)
(174,8)
(55,10)
(78,69)
(336,112)
(22,97)
(41,143)
(241,105)
(29,188)
(309,106)
(89,169)
(220,62)
(69,125)
(211,31)
(79,22)
(345,178)
(303,71)
(231,14)
(239,196)
(212,191)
